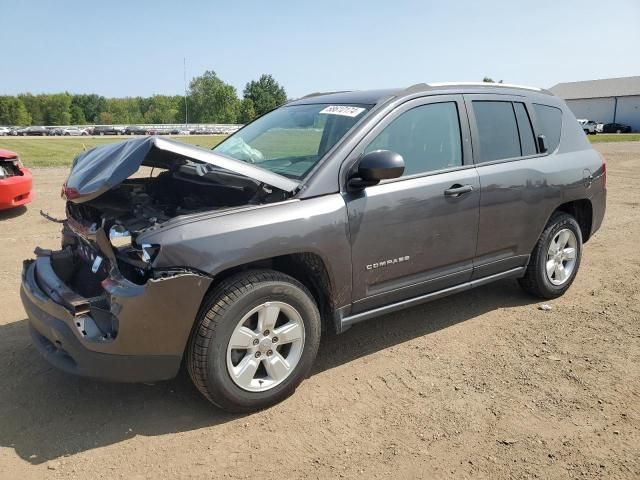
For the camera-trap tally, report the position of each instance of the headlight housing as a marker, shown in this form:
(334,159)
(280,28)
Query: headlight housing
(119,236)
(149,252)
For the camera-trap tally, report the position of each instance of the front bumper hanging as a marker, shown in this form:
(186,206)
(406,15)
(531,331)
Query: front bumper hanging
(151,323)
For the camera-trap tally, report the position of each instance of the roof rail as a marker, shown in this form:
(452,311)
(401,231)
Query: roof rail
(483,84)
(425,86)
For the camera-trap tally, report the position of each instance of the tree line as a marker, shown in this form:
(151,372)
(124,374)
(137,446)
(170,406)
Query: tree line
(208,100)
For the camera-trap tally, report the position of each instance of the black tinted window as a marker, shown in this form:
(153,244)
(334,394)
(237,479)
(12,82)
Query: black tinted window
(527,142)
(549,120)
(427,137)
(496,122)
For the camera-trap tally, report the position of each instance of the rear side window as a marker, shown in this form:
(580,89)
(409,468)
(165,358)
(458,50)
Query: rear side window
(497,129)
(549,120)
(427,137)
(527,142)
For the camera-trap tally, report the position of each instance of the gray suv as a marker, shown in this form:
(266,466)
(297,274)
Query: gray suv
(329,211)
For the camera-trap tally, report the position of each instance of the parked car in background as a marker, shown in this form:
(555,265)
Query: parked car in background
(588,126)
(180,131)
(73,132)
(33,130)
(107,130)
(4,131)
(135,130)
(201,131)
(158,131)
(57,131)
(616,128)
(234,261)
(15,181)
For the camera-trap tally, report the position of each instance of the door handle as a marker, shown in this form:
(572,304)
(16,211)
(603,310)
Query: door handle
(458,190)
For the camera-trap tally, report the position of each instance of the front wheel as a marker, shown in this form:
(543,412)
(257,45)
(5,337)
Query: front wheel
(254,341)
(555,259)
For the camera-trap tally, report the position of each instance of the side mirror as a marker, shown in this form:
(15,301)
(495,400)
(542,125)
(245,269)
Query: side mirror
(542,144)
(376,166)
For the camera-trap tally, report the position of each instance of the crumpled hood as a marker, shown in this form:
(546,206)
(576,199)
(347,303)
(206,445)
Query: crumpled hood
(102,168)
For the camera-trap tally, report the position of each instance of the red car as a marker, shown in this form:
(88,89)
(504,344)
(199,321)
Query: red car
(15,181)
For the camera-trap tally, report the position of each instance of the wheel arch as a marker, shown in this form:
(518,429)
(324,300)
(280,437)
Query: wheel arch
(306,267)
(582,211)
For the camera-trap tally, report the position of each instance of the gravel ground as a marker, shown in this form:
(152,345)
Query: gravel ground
(482,384)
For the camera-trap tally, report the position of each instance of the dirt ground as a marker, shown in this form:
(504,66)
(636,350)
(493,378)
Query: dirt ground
(478,385)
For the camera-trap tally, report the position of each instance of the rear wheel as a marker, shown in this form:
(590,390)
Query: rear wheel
(555,259)
(254,341)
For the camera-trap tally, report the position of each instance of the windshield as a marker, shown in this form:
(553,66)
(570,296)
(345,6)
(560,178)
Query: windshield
(291,140)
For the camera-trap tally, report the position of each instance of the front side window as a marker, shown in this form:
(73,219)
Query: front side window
(427,137)
(292,139)
(497,129)
(549,120)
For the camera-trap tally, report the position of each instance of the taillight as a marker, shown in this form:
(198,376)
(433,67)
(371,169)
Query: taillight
(69,193)
(604,170)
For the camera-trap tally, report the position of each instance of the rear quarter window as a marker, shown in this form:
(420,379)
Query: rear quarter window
(549,120)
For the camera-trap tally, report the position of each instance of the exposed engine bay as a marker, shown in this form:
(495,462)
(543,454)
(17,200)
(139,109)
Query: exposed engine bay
(114,220)
(111,202)
(139,203)
(9,168)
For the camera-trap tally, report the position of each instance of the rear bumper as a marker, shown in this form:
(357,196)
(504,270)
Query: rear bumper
(599,205)
(150,334)
(16,191)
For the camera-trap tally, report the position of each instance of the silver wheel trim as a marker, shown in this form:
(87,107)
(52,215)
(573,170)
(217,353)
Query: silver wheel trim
(561,257)
(277,349)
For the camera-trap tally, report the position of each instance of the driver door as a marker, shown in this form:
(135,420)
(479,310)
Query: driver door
(416,234)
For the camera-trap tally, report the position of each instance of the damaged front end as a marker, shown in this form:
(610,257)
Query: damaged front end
(98,307)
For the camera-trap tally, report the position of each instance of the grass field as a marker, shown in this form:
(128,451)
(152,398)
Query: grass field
(60,151)
(615,137)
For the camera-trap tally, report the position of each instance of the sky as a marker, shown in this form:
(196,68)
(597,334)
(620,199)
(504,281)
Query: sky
(137,47)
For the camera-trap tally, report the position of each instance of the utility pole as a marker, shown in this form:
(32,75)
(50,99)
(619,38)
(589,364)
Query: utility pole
(186,108)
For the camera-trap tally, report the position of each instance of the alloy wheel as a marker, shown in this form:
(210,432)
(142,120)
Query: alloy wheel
(561,257)
(265,346)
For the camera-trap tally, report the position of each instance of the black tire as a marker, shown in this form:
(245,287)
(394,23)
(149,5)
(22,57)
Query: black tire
(535,280)
(219,314)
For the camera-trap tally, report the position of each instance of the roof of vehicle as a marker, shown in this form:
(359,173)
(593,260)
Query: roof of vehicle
(372,97)
(363,97)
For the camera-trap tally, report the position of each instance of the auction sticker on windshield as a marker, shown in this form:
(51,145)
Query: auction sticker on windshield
(345,110)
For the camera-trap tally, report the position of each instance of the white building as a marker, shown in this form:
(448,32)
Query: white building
(604,101)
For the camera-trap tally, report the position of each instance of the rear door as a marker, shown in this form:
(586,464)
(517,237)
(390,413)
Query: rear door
(516,190)
(415,234)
